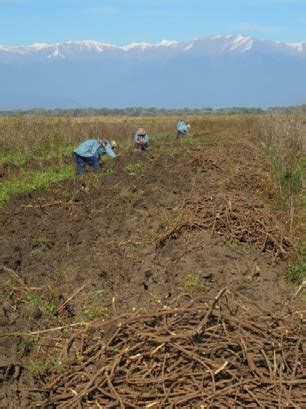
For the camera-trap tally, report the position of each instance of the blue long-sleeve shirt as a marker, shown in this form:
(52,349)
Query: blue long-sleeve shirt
(181,126)
(144,138)
(92,147)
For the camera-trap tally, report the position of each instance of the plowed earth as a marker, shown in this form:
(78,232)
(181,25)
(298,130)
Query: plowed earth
(187,218)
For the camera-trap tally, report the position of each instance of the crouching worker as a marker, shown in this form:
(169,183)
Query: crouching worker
(181,128)
(90,152)
(141,140)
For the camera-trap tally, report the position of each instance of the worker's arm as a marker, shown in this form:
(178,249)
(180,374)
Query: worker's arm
(109,150)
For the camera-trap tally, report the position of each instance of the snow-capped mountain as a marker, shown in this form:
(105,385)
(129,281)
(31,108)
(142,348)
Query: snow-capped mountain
(210,46)
(212,71)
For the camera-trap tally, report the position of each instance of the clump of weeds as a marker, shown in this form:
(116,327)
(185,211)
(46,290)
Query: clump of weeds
(92,309)
(296,273)
(132,168)
(191,283)
(44,306)
(42,245)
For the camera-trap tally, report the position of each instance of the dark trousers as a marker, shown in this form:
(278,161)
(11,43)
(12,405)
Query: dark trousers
(80,162)
(180,134)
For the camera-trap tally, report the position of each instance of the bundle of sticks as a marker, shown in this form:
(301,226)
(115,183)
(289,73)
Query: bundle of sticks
(229,353)
(233,218)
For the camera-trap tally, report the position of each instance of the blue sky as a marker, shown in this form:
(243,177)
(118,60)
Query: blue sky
(120,22)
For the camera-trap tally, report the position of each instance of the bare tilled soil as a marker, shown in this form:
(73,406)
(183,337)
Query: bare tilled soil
(186,220)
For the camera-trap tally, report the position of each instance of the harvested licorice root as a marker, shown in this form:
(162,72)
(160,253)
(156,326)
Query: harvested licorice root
(226,354)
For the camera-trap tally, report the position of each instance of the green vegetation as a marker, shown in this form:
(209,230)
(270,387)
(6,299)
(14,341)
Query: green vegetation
(231,244)
(288,177)
(42,366)
(27,182)
(19,155)
(96,212)
(7,293)
(93,296)
(13,156)
(92,308)
(132,168)
(44,306)
(42,245)
(92,313)
(296,273)
(191,283)
(281,137)
(155,298)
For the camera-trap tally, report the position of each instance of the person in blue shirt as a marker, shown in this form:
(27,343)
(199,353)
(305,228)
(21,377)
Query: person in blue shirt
(141,140)
(89,152)
(181,128)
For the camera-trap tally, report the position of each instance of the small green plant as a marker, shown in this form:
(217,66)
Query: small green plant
(296,273)
(155,299)
(92,313)
(132,168)
(86,189)
(44,306)
(249,278)
(93,296)
(42,245)
(8,293)
(257,269)
(191,283)
(28,342)
(109,170)
(65,194)
(188,139)
(230,244)
(96,212)
(133,219)
(42,366)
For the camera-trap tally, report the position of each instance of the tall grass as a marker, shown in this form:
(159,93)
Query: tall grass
(281,137)
(26,138)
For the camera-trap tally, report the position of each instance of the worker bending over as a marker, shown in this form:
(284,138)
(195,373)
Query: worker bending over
(89,152)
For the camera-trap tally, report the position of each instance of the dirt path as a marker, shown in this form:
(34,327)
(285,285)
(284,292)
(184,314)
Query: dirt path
(189,217)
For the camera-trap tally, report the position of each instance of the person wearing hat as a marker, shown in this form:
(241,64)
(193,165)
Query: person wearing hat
(89,152)
(141,140)
(181,128)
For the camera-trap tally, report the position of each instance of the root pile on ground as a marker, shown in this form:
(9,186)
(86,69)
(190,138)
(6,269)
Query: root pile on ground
(203,163)
(233,218)
(226,354)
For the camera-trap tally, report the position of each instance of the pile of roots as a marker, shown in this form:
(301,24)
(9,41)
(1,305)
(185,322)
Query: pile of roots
(204,163)
(227,354)
(233,218)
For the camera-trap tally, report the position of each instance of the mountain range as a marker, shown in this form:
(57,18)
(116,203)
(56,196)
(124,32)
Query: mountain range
(216,71)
